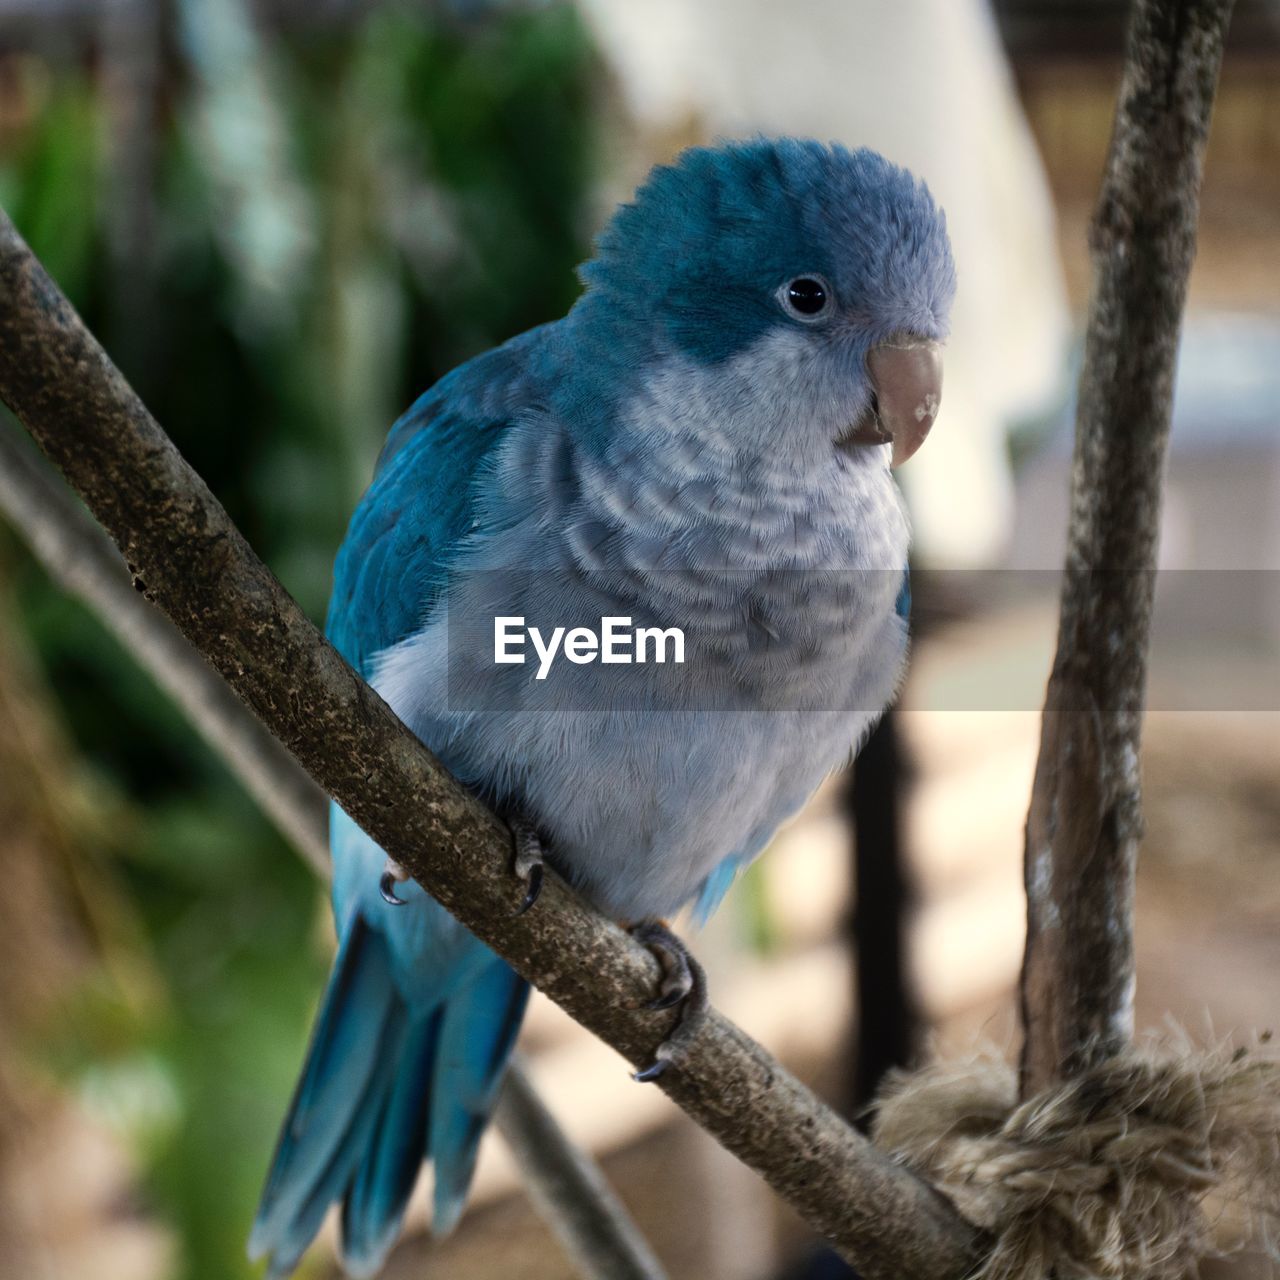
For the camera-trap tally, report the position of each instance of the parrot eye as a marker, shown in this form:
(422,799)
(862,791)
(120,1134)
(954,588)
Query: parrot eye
(806,297)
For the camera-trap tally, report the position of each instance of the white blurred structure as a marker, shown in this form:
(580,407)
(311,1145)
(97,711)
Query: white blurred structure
(1220,531)
(924,82)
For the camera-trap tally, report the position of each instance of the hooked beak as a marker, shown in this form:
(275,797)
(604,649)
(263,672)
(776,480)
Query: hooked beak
(906,378)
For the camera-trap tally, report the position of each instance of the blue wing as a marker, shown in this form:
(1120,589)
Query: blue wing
(398,547)
(419,1017)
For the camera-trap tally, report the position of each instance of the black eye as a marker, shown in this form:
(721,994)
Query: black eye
(806,297)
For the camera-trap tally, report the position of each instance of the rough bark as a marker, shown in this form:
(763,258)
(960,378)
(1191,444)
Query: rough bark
(1085,819)
(187,557)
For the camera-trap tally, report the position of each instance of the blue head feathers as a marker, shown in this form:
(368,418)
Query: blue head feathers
(707,243)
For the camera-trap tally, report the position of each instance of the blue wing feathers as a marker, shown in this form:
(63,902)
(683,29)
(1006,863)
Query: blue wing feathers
(384,1087)
(337,1175)
(321,1139)
(375,1203)
(396,554)
(479,1030)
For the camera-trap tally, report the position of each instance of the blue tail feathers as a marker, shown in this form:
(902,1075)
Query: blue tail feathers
(386,1085)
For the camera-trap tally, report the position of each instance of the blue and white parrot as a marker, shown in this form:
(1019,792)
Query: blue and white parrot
(704,442)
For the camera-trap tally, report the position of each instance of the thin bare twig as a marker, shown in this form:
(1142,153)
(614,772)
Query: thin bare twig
(570,1191)
(1085,819)
(186,556)
(565,1185)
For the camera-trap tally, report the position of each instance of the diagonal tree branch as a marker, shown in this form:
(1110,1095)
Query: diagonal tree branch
(1085,819)
(566,1187)
(187,557)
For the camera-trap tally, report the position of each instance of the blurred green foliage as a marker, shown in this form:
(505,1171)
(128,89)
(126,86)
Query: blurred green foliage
(325,219)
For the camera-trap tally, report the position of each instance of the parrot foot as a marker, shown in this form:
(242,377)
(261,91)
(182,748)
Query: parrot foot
(528,863)
(684,983)
(392,874)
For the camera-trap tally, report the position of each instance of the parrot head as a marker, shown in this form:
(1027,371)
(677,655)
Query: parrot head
(815,280)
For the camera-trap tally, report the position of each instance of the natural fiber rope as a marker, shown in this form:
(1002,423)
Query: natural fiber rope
(1104,1177)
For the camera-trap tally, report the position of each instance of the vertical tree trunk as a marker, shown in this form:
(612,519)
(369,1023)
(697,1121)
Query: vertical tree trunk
(1085,819)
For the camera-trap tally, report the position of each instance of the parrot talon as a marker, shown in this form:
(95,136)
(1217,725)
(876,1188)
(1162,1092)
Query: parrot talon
(528,863)
(535,888)
(392,874)
(683,983)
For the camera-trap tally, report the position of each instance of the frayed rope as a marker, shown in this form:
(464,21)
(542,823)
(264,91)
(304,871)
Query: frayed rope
(1130,1171)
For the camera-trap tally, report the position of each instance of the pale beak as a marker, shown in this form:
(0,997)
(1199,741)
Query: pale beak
(906,376)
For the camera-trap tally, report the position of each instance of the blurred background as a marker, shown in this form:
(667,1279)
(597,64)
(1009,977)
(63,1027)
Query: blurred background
(285,218)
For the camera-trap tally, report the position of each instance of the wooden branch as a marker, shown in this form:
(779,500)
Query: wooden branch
(187,557)
(1085,819)
(565,1185)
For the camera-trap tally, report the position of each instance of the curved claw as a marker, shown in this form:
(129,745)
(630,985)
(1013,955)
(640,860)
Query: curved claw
(534,888)
(684,984)
(646,1075)
(387,887)
(527,864)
